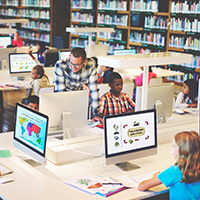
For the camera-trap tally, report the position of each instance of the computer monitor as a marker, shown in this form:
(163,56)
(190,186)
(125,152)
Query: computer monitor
(64,53)
(130,136)
(51,57)
(124,51)
(66,111)
(21,64)
(4,57)
(5,41)
(30,132)
(98,50)
(160,96)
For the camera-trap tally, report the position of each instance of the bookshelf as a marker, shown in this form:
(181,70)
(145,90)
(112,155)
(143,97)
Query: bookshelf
(146,26)
(38,12)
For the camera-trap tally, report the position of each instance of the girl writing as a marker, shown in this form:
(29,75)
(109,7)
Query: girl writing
(183,178)
(189,95)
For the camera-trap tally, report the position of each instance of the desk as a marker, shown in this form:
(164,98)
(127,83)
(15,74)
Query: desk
(136,71)
(46,181)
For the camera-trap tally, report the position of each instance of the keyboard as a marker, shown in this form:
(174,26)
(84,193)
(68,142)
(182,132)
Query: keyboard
(143,177)
(4,170)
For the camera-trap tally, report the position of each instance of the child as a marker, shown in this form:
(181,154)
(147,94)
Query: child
(189,95)
(32,102)
(115,102)
(39,79)
(104,73)
(139,79)
(183,178)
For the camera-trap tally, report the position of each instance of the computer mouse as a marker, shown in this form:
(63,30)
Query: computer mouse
(179,111)
(6,180)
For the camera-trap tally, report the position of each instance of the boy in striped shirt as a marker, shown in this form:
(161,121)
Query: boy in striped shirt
(115,102)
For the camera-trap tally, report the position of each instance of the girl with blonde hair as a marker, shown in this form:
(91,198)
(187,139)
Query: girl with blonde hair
(183,178)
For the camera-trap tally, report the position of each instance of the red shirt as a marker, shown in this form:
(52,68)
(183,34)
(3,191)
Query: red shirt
(111,105)
(17,43)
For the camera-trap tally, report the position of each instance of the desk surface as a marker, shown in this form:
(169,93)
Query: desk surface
(46,181)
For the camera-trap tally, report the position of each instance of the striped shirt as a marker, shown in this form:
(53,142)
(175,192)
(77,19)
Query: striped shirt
(66,80)
(111,105)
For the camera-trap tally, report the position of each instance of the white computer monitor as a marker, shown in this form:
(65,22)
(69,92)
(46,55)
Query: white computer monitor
(66,111)
(130,136)
(159,96)
(21,64)
(5,41)
(64,54)
(4,57)
(30,132)
(98,50)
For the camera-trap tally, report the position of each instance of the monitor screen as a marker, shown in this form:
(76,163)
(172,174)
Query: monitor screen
(159,93)
(130,136)
(5,41)
(51,57)
(21,62)
(30,133)
(64,55)
(124,51)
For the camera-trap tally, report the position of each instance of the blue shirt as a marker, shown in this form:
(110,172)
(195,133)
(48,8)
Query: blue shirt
(171,178)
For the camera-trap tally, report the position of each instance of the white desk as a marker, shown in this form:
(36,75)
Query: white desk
(136,71)
(46,181)
(145,60)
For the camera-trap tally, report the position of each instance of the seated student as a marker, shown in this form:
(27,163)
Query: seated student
(104,73)
(182,178)
(16,41)
(189,95)
(39,79)
(115,102)
(139,79)
(32,102)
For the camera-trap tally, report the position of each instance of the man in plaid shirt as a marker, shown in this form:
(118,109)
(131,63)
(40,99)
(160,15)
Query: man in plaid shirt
(75,74)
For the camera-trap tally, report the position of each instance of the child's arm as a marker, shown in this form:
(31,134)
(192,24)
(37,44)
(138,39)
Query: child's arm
(178,103)
(154,181)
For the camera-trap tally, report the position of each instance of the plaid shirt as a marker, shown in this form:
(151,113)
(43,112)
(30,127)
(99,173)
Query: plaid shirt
(111,105)
(66,80)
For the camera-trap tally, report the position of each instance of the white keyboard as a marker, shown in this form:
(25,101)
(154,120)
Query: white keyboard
(143,177)
(4,170)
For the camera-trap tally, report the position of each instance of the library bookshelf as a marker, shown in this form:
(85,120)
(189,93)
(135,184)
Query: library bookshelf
(38,12)
(143,25)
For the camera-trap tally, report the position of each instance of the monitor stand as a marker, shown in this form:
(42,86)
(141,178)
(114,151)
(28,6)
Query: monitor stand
(160,112)
(127,166)
(30,161)
(68,126)
(20,78)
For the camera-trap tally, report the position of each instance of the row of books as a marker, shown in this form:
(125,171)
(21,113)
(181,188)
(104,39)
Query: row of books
(35,36)
(113,5)
(81,33)
(142,5)
(157,22)
(185,24)
(186,43)
(36,25)
(82,4)
(142,50)
(82,17)
(120,20)
(147,38)
(37,3)
(12,3)
(112,46)
(116,35)
(185,7)
(180,78)
(43,14)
